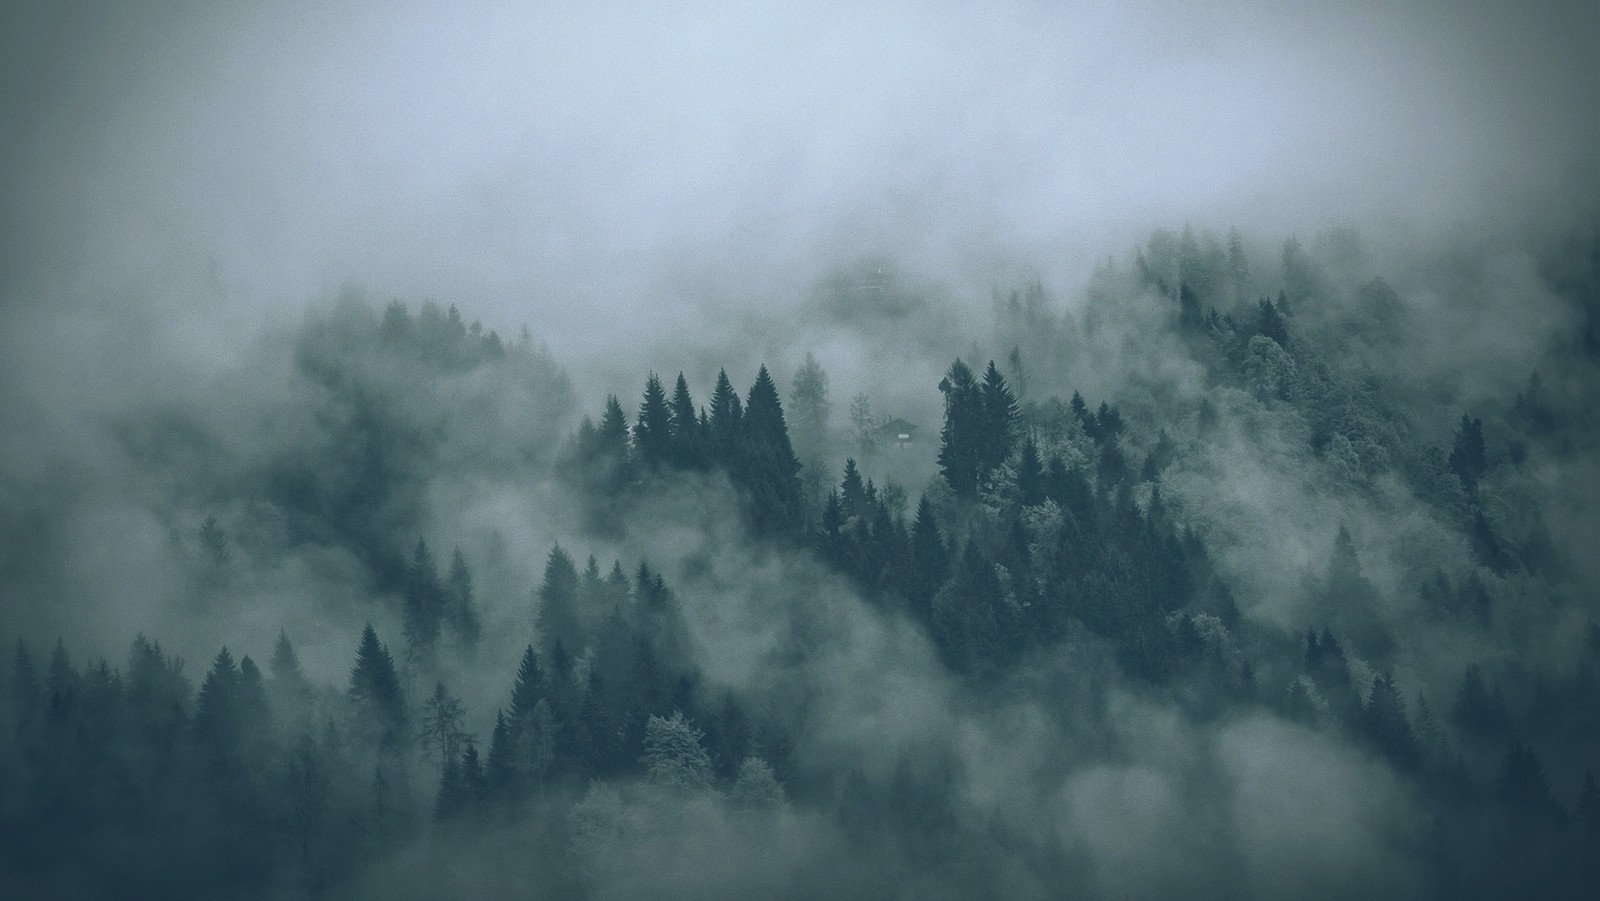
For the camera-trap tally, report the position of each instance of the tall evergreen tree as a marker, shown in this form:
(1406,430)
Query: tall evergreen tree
(216,717)
(727,414)
(528,687)
(929,561)
(611,463)
(809,401)
(558,602)
(461,611)
(424,606)
(687,452)
(652,431)
(767,467)
(1000,419)
(375,692)
(961,440)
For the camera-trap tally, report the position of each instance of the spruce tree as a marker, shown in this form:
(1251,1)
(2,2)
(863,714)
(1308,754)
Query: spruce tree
(424,606)
(652,430)
(460,610)
(557,617)
(687,450)
(961,438)
(727,414)
(1000,419)
(766,465)
(929,561)
(376,695)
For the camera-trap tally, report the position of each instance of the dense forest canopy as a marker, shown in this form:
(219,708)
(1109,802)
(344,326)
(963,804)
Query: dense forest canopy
(1204,544)
(832,449)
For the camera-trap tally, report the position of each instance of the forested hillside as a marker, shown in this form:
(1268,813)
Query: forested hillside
(1241,570)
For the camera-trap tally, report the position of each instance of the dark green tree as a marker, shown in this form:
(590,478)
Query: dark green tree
(961,439)
(652,431)
(424,606)
(929,562)
(461,613)
(375,693)
(557,618)
(1000,421)
(766,465)
(687,445)
(727,414)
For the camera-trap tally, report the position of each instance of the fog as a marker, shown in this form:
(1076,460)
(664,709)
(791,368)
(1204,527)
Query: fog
(205,212)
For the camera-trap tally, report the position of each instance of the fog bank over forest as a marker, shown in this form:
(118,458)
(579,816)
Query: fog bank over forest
(887,450)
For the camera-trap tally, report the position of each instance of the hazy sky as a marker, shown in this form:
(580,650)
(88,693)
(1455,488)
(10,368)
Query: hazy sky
(612,171)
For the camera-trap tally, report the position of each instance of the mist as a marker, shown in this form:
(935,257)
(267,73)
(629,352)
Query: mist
(297,307)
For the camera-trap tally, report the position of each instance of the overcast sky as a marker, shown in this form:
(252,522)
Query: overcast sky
(607,172)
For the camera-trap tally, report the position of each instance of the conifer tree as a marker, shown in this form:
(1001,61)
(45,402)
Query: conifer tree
(727,414)
(557,617)
(375,693)
(460,610)
(528,687)
(809,401)
(424,606)
(652,430)
(961,439)
(1000,418)
(929,561)
(216,718)
(766,465)
(687,452)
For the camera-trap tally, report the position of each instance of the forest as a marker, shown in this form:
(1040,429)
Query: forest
(1228,575)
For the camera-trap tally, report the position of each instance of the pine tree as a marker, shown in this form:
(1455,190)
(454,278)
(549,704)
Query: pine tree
(1191,317)
(767,467)
(460,611)
(929,561)
(727,414)
(61,682)
(687,451)
(376,695)
(1524,786)
(528,687)
(557,617)
(216,718)
(611,463)
(1385,720)
(500,772)
(424,606)
(809,400)
(652,431)
(961,438)
(1238,267)
(1000,419)
(852,492)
